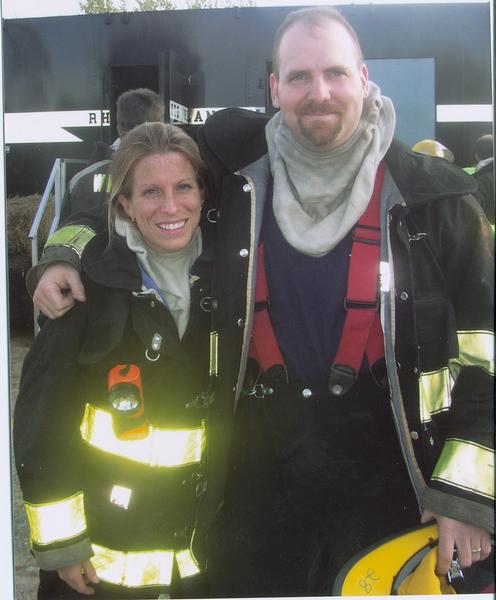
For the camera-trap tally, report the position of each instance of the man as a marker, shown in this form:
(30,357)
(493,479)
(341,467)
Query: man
(89,187)
(484,174)
(338,444)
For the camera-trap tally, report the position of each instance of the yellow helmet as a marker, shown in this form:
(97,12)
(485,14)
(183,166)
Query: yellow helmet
(404,565)
(433,148)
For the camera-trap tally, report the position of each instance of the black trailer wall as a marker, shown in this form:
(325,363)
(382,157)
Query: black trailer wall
(219,58)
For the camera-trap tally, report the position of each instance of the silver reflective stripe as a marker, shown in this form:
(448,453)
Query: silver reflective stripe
(133,569)
(186,563)
(434,393)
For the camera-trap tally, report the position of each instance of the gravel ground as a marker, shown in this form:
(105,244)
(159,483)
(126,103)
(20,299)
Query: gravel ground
(26,571)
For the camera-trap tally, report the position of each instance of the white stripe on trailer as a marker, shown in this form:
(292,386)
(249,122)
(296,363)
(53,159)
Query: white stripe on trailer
(49,126)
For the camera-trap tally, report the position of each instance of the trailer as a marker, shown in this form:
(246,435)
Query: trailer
(62,75)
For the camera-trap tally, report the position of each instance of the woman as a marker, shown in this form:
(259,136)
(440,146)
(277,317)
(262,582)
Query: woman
(109,431)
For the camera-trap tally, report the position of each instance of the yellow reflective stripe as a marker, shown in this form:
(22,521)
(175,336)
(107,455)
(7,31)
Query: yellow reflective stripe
(161,448)
(476,348)
(468,466)
(186,563)
(434,393)
(73,236)
(214,344)
(141,569)
(56,521)
(133,569)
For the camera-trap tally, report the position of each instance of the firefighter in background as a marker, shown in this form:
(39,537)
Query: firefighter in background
(484,174)
(109,433)
(341,436)
(91,186)
(434,148)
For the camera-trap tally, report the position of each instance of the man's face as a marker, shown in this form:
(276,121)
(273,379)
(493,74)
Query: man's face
(321,85)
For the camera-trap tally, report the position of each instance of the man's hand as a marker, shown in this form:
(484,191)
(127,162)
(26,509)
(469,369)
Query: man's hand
(78,576)
(472,543)
(58,290)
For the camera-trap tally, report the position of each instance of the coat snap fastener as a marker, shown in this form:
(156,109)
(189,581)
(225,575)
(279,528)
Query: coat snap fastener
(404,296)
(247,187)
(306,393)
(243,252)
(207,304)
(414,435)
(240,322)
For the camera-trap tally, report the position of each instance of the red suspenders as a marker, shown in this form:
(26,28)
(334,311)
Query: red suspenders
(362,334)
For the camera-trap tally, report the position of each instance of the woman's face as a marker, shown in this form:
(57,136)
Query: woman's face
(165,202)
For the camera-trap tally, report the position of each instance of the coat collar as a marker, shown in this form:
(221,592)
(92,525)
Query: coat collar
(114,265)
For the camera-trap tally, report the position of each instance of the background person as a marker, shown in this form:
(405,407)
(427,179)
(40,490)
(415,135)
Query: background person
(434,148)
(484,174)
(329,457)
(110,457)
(90,187)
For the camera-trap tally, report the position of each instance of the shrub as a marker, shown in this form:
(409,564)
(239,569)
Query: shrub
(21,211)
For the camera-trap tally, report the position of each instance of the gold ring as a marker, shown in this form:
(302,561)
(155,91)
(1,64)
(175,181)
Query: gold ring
(476,550)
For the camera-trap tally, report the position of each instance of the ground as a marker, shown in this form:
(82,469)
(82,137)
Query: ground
(26,572)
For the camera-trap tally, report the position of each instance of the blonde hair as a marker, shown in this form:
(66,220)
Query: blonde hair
(144,140)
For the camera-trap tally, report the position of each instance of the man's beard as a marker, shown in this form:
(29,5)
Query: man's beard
(320,132)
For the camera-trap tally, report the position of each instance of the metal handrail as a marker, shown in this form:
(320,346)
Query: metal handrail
(57,178)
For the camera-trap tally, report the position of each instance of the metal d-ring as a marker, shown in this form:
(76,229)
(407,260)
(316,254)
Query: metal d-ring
(151,359)
(210,218)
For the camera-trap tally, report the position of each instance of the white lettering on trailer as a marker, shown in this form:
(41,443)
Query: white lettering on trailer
(198,116)
(45,127)
(178,113)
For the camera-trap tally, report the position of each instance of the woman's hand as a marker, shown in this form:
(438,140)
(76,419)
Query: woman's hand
(78,576)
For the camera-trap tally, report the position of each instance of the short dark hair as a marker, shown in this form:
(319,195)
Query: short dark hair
(312,17)
(138,106)
(484,147)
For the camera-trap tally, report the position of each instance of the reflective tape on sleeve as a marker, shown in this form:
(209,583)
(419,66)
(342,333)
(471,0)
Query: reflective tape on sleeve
(476,349)
(56,521)
(74,237)
(467,466)
(161,448)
